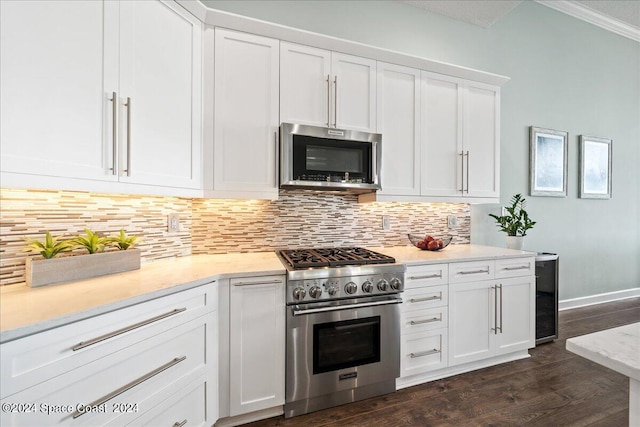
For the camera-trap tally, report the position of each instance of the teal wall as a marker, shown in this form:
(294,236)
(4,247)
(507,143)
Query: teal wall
(565,74)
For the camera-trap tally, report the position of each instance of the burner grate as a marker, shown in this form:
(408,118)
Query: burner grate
(332,257)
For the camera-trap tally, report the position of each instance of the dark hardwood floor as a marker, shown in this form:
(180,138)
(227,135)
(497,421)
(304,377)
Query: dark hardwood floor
(551,388)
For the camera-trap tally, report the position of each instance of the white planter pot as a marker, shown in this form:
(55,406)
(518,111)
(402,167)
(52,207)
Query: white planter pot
(42,272)
(515,242)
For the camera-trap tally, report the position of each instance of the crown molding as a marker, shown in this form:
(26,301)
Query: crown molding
(593,17)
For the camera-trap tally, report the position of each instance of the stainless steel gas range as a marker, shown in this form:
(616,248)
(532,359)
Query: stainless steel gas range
(343,326)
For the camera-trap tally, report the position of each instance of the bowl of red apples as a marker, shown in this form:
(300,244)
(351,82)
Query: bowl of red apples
(429,243)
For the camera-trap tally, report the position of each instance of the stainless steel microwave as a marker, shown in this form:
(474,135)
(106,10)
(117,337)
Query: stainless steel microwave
(319,158)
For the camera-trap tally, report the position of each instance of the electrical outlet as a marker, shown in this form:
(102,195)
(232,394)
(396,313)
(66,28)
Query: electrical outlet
(173,223)
(452,221)
(386,223)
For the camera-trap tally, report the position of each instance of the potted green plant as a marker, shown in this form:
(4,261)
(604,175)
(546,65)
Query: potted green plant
(515,223)
(97,262)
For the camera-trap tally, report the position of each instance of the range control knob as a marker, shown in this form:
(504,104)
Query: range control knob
(395,284)
(315,292)
(332,290)
(351,288)
(383,285)
(299,293)
(367,287)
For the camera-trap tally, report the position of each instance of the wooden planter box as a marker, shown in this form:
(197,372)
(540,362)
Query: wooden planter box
(42,272)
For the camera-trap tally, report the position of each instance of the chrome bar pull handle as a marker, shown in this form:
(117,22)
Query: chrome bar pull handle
(433,298)
(335,101)
(328,100)
(420,322)
(522,267)
(424,353)
(104,399)
(277,148)
(104,337)
(467,172)
(427,276)
(500,286)
(180,423)
(297,310)
(128,105)
(473,272)
(461,171)
(495,309)
(114,133)
(264,282)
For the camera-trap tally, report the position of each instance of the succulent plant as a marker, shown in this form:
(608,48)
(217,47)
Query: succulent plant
(50,247)
(91,242)
(122,241)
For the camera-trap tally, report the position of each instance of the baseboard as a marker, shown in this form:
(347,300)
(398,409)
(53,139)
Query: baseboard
(250,417)
(568,304)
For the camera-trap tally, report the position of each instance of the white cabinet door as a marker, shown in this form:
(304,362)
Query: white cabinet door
(354,85)
(160,91)
(461,143)
(481,141)
(305,85)
(246,114)
(57,71)
(441,166)
(398,105)
(471,317)
(516,314)
(257,344)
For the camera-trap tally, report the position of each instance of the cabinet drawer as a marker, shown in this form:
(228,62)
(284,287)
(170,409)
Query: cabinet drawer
(426,275)
(187,408)
(423,352)
(515,267)
(131,380)
(471,271)
(39,357)
(425,298)
(423,320)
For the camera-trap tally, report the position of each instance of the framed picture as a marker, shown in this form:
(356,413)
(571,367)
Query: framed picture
(595,167)
(548,152)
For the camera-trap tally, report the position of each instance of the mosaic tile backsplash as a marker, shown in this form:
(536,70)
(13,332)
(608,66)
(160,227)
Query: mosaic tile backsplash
(297,219)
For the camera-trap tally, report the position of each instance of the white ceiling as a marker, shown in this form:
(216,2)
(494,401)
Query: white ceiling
(619,16)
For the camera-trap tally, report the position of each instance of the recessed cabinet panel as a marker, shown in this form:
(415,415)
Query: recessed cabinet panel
(354,91)
(160,47)
(399,123)
(516,314)
(441,166)
(257,344)
(54,95)
(246,112)
(305,85)
(481,142)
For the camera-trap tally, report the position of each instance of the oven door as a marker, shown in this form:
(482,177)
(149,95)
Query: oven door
(341,345)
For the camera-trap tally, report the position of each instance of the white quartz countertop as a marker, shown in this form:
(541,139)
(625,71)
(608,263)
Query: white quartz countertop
(25,310)
(453,253)
(617,349)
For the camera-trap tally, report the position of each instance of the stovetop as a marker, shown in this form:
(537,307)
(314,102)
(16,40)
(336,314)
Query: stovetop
(297,259)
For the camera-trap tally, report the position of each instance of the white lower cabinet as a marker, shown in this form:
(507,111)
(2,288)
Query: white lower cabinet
(119,377)
(461,316)
(491,318)
(256,343)
(424,320)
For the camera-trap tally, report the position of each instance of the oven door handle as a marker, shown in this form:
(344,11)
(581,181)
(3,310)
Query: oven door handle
(297,311)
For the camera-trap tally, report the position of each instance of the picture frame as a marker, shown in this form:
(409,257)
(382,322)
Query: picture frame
(548,160)
(595,167)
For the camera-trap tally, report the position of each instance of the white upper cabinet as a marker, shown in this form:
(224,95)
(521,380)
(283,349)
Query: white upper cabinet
(329,89)
(55,111)
(460,132)
(62,63)
(305,70)
(398,106)
(160,88)
(246,115)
